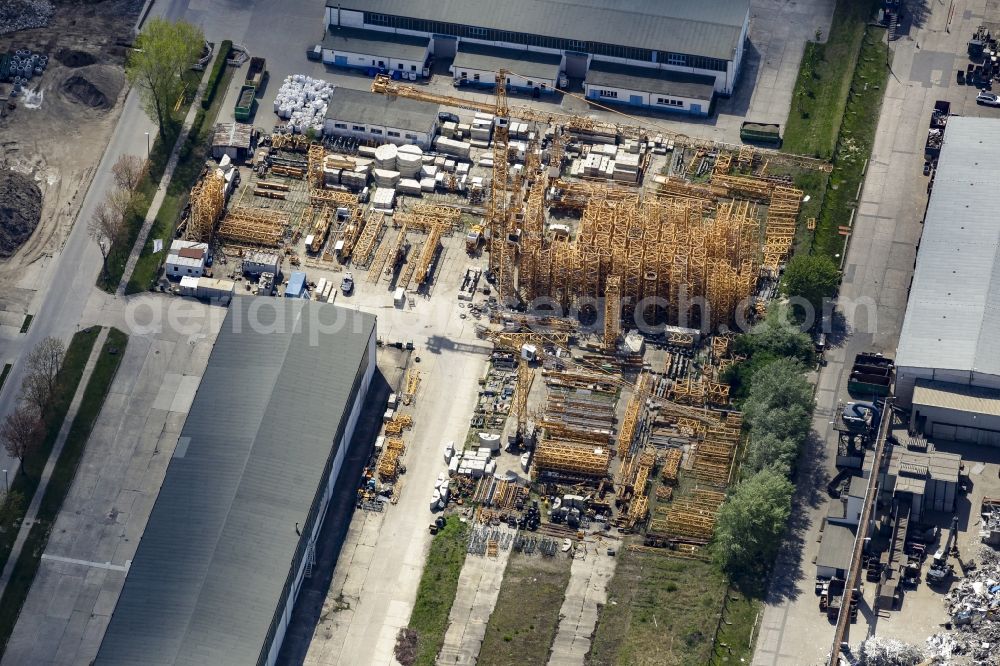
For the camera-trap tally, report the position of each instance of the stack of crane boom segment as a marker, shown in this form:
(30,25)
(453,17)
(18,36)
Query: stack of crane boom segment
(254,226)
(369,236)
(497,215)
(207,202)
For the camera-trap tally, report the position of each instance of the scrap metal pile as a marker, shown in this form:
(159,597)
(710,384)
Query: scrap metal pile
(974,607)
(879,651)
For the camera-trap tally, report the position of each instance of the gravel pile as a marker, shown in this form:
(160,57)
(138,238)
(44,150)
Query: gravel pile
(24,14)
(20,210)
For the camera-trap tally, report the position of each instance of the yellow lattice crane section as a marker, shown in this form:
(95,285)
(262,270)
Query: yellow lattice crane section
(254,226)
(315,157)
(630,423)
(207,201)
(612,312)
(519,407)
(369,234)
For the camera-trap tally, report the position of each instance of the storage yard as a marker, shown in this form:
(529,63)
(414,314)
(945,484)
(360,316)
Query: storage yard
(556,449)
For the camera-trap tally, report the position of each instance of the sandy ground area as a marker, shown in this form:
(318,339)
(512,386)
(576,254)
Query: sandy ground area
(57,133)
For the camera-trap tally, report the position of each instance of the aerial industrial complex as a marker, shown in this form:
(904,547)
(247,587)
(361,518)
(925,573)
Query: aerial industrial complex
(473,333)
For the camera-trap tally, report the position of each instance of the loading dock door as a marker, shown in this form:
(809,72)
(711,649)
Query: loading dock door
(576,65)
(445,46)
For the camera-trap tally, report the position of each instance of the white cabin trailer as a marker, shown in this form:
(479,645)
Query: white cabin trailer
(681,36)
(367,116)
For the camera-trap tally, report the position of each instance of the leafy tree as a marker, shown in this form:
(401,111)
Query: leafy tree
(767,449)
(751,521)
(164,50)
(779,384)
(777,336)
(787,422)
(812,277)
(21,432)
(12,507)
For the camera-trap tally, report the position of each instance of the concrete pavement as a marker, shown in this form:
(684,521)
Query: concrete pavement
(475,598)
(873,294)
(586,592)
(36,501)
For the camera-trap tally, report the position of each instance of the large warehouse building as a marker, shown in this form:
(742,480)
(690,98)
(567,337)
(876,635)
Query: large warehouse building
(948,360)
(234,526)
(660,42)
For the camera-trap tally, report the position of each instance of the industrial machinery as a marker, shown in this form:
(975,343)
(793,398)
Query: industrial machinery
(940,569)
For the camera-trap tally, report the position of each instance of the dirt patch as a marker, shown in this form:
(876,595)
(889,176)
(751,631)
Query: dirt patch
(74,58)
(93,86)
(20,210)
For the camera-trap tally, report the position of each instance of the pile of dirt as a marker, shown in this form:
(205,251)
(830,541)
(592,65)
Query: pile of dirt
(73,58)
(94,86)
(20,210)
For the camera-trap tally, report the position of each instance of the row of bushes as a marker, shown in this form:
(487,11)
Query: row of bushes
(218,67)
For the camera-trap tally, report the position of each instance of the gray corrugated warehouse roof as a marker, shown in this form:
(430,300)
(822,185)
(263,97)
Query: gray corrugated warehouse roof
(368,108)
(377,43)
(695,27)
(957,397)
(529,64)
(953,313)
(648,79)
(217,552)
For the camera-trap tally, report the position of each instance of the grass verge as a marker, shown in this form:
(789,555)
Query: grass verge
(23,573)
(159,154)
(526,616)
(25,482)
(436,593)
(854,146)
(26,323)
(820,93)
(189,167)
(664,610)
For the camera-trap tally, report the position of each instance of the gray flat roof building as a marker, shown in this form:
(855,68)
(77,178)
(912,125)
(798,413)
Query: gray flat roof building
(953,312)
(367,108)
(527,64)
(696,27)
(219,565)
(376,43)
(657,81)
(835,550)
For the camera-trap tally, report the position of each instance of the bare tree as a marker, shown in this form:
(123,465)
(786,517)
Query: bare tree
(128,172)
(106,227)
(45,360)
(21,432)
(35,392)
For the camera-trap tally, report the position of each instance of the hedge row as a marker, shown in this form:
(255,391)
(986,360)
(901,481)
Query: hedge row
(218,66)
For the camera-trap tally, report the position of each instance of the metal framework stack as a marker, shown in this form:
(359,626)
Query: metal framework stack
(519,407)
(207,201)
(388,463)
(666,249)
(332,197)
(427,253)
(626,433)
(316,155)
(612,312)
(572,459)
(780,231)
(254,226)
(690,519)
(366,240)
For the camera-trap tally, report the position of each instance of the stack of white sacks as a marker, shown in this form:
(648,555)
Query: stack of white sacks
(302,101)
